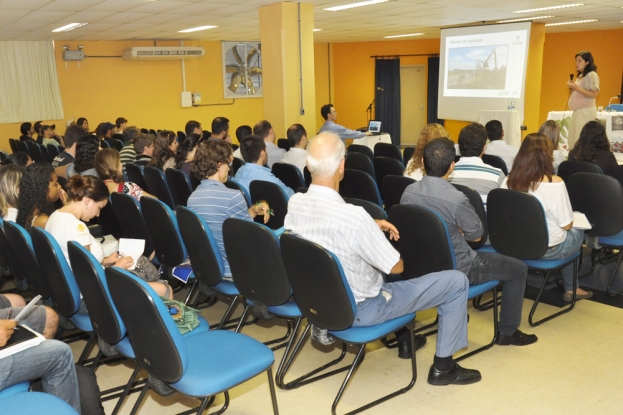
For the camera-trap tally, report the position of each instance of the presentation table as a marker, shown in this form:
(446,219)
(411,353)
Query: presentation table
(371,140)
(510,123)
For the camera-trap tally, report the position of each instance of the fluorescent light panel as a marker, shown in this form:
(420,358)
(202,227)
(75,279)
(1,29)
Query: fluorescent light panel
(550,8)
(525,19)
(196,29)
(68,27)
(353,5)
(574,22)
(317,30)
(410,34)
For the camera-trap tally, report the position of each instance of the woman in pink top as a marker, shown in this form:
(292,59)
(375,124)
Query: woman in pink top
(583,94)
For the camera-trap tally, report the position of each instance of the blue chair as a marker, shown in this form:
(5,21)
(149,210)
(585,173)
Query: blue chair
(360,185)
(374,210)
(615,107)
(230,184)
(130,217)
(388,150)
(179,186)
(325,299)
(570,167)
(199,366)
(289,174)
(35,403)
(517,228)
(17,388)
(157,185)
(276,198)
(135,174)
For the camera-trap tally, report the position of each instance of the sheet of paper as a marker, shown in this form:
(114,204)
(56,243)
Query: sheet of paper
(580,221)
(133,248)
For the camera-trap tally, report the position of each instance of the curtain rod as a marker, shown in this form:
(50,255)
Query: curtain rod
(431,55)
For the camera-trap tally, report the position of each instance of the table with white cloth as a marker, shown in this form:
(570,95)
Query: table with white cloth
(371,140)
(510,123)
(613,121)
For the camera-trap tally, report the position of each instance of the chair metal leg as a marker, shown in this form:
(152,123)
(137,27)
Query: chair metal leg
(479,305)
(242,317)
(126,390)
(192,291)
(614,273)
(140,398)
(231,307)
(273,396)
(428,326)
(495,331)
(205,403)
(564,310)
(594,253)
(282,341)
(87,349)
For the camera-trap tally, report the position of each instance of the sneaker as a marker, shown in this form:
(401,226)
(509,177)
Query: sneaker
(404,348)
(592,241)
(518,338)
(568,296)
(322,336)
(456,375)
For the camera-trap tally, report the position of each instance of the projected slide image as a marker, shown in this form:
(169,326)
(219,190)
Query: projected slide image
(479,67)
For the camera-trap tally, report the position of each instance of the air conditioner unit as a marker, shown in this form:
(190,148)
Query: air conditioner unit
(162,53)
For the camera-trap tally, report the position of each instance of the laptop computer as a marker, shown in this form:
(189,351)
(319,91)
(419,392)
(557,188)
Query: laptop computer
(375,127)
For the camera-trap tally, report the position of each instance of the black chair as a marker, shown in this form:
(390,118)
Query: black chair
(407,154)
(569,167)
(157,185)
(181,136)
(115,143)
(118,137)
(476,201)
(14,148)
(307,176)
(52,150)
(35,152)
(495,161)
(360,185)
(374,210)
(235,165)
(518,228)
(289,174)
(388,150)
(234,185)
(393,188)
(276,198)
(358,148)
(359,161)
(153,132)
(283,143)
(105,144)
(144,131)
(385,166)
(11,260)
(128,213)
(135,175)
(46,154)
(179,186)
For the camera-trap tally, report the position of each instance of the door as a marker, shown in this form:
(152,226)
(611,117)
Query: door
(412,103)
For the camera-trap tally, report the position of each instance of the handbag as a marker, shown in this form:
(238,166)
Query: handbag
(145,270)
(185,317)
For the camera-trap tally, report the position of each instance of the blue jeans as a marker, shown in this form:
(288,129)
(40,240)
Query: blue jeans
(572,243)
(52,361)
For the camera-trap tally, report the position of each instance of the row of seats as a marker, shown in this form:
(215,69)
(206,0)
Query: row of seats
(37,152)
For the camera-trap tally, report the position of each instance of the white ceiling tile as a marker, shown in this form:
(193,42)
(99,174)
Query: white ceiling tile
(22,5)
(159,7)
(46,17)
(69,5)
(126,17)
(116,6)
(12,15)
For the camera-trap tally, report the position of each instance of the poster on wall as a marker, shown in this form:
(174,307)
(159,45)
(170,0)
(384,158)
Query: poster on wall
(242,69)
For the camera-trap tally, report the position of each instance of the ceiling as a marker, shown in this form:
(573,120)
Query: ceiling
(238,19)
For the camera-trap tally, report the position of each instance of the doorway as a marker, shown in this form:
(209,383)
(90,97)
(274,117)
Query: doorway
(412,103)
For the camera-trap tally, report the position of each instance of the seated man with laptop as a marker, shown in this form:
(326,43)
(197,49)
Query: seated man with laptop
(329,113)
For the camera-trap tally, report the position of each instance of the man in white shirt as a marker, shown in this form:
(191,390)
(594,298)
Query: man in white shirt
(264,130)
(329,113)
(297,137)
(321,216)
(499,147)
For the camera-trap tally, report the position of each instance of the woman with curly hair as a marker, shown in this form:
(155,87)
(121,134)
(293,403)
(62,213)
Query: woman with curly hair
(107,163)
(186,153)
(86,147)
(551,129)
(10,177)
(415,166)
(38,190)
(594,147)
(165,148)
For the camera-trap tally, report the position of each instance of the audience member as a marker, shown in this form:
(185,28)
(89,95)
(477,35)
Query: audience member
(497,146)
(70,122)
(104,131)
(19,158)
(533,173)
(186,153)
(253,150)
(212,200)
(220,129)
(109,169)
(37,128)
(242,132)
(86,147)
(82,122)
(297,137)
(321,216)
(435,193)
(27,131)
(73,133)
(265,131)
(120,125)
(144,147)
(38,190)
(593,146)
(10,177)
(165,149)
(415,166)
(128,154)
(551,129)
(47,134)
(329,114)
(193,127)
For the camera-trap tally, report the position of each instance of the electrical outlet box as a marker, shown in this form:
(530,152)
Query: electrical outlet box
(73,55)
(196,98)
(302,111)
(187,99)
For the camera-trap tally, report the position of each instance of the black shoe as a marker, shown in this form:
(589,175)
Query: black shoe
(456,375)
(404,351)
(518,338)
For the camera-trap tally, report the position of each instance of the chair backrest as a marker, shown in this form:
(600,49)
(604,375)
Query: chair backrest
(46,154)
(153,132)
(495,161)
(388,150)
(359,161)
(424,243)
(617,173)
(360,185)
(164,232)
(615,107)
(476,201)
(289,174)
(235,165)
(568,168)
(135,175)
(14,147)
(318,283)
(64,289)
(393,188)
(358,148)
(52,150)
(181,136)
(105,144)
(307,176)
(155,339)
(385,166)
(179,186)
(255,260)
(234,185)
(517,225)
(276,198)
(157,185)
(283,143)
(407,153)
(600,198)
(128,213)
(35,152)
(10,258)
(374,210)
(144,131)
(203,252)
(116,143)
(21,243)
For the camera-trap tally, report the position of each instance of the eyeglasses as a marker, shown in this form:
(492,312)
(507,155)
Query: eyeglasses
(345,154)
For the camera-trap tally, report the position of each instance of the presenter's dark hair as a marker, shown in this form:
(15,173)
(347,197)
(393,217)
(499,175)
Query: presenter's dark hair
(72,134)
(295,134)
(534,162)
(262,129)
(592,138)
(25,128)
(494,130)
(251,147)
(220,124)
(325,110)
(190,127)
(243,131)
(590,62)
(472,140)
(439,155)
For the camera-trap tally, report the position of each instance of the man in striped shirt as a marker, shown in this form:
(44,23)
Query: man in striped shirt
(322,216)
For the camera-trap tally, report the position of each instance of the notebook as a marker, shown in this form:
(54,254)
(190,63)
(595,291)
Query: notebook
(22,338)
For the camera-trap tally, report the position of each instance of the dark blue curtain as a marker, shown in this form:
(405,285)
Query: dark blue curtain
(433,90)
(387,107)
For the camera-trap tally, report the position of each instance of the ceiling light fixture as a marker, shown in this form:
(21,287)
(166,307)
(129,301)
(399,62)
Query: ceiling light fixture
(550,8)
(353,5)
(196,29)
(410,34)
(525,19)
(317,30)
(68,27)
(574,22)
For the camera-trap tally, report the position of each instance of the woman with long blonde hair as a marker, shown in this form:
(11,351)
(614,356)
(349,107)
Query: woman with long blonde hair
(551,129)
(415,166)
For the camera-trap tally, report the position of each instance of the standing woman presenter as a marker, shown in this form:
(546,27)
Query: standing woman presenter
(583,94)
